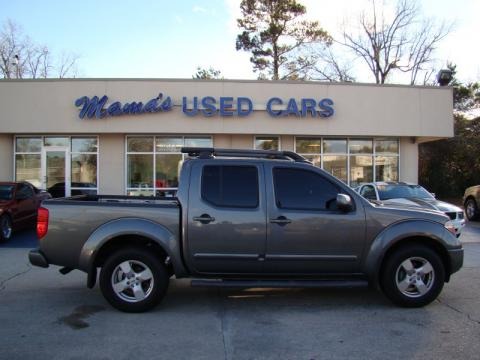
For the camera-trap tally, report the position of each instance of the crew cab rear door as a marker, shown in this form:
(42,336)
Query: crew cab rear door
(307,233)
(226,229)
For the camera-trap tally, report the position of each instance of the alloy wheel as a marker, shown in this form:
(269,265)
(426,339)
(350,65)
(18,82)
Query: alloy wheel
(415,277)
(132,281)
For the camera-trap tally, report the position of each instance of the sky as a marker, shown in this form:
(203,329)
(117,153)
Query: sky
(171,38)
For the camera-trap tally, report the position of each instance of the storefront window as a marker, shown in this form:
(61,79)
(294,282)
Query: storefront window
(140,171)
(89,144)
(361,170)
(83,162)
(354,161)
(28,168)
(168,144)
(198,142)
(360,146)
(267,143)
(140,144)
(334,146)
(57,141)
(154,170)
(28,145)
(386,147)
(308,145)
(336,165)
(386,168)
(84,168)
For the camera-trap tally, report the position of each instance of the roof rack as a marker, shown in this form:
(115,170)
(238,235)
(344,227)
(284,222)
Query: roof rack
(208,153)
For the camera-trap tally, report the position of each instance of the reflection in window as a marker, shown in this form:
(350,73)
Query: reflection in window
(154,162)
(336,165)
(84,168)
(386,168)
(308,145)
(140,171)
(266,143)
(28,145)
(57,141)
(84,144)
(359,146)
(361,170)
(386,147)
(167,170)
(354,160)
(334,146)
(28,168)
(140,144)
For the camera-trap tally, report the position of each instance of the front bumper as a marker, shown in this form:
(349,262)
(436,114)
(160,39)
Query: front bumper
(37,258)
(456,259)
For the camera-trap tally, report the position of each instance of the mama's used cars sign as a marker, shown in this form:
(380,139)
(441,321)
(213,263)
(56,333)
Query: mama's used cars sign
(98,108)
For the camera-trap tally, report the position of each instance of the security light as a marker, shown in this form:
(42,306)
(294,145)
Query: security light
(444,77)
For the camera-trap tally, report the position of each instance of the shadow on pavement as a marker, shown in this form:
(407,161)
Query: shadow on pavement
(22,239)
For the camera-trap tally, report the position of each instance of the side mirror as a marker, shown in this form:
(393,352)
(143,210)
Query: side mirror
(344,203)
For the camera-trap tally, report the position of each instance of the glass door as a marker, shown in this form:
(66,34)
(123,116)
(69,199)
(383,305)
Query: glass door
(56,171)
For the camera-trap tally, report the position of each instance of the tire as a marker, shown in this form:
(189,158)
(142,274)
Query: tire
(471,209)
(413,276)
(133,280)
(6,228)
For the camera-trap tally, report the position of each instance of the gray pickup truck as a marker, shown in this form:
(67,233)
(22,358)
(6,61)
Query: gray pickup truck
(245,218)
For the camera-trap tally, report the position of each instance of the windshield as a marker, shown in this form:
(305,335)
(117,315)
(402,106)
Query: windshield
(402,191)
(6,192)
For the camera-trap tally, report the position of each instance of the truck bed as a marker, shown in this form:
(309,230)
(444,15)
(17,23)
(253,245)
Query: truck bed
(73,220)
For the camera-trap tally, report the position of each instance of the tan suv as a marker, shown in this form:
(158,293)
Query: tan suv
(471,200)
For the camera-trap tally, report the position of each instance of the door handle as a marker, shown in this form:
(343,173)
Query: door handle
(204,218)
(281,220)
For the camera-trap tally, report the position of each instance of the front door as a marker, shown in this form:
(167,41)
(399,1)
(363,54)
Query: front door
(56,171)
(307,234)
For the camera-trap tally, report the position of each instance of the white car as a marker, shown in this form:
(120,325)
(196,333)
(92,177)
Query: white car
(401,193)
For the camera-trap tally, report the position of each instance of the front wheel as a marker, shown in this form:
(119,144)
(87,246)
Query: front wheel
(471,209)
(413,276)
(133,280)
(6,228)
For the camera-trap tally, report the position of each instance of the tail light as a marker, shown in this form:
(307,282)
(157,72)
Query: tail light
(42,222)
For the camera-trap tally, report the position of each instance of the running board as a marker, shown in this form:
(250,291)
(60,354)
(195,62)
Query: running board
(279,283)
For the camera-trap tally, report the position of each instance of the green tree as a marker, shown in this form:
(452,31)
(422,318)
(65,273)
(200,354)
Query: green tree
(448,166)
(209,73)
(278,39)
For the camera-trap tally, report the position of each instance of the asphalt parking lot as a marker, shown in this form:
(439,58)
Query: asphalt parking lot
(45,315)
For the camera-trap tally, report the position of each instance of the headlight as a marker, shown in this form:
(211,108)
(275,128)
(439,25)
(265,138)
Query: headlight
(450,227)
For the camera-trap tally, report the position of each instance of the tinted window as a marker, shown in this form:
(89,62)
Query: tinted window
(368,192)
(24,191)
(402,191)
(303,189)
(230,186)
(6,192)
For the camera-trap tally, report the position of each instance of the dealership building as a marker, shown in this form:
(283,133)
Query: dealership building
(124,136)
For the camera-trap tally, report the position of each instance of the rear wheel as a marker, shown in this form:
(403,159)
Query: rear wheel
(133,280)
(471,209)
(413,276)
(6,228)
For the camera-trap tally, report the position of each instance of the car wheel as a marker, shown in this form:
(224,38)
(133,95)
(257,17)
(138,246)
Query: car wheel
(413,276)
(133,280)
(6,228)
(471,209)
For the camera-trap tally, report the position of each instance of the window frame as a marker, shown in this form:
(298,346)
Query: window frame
(69,153)
(348,154)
